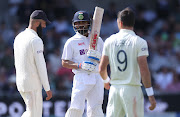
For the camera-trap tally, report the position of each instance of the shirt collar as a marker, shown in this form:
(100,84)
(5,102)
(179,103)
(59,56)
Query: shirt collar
(31,30)
(126,31)
(78,35)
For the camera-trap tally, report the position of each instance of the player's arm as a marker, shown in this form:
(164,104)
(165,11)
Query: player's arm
(67,57)
(103,70)
(146,79)
(145,74)
(85,65)
(37,46)
(69,64)
(103,67)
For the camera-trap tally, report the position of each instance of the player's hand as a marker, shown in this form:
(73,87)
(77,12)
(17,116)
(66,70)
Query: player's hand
(88,66)
(152,100)
(49,95)
(107,86)
(93,54)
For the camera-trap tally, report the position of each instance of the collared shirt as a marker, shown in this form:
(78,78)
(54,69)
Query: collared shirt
(31,72)
(75,49)
(123,49)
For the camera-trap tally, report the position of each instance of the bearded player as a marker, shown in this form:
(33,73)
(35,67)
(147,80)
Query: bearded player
(87,82)
(31,72)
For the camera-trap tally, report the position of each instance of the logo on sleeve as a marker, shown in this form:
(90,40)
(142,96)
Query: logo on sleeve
(39,51)
(143,49)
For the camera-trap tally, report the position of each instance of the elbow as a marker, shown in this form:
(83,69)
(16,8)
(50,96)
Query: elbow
(101,70)
(101,73)
(64,64)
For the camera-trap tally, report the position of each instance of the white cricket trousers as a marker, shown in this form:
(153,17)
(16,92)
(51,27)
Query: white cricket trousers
(90,88)
(125,100)
(33,101)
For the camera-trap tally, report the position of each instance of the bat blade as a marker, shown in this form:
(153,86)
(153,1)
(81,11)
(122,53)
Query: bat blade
(96,26)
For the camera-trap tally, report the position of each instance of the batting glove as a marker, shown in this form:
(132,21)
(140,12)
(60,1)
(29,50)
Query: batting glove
(87,65)
(93,54)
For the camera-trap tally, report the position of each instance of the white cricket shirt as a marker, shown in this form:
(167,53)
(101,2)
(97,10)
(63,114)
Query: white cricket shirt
(75,49)
(123,49)
(31,72)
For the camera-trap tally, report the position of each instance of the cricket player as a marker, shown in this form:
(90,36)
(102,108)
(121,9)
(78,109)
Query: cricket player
(87,82)
(127,55)
(31,72)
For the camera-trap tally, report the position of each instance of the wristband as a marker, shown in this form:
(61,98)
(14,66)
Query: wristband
(149,91)
(79,66)
(107,80)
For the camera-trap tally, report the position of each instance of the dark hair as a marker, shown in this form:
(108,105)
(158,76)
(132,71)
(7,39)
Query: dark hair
(127,17)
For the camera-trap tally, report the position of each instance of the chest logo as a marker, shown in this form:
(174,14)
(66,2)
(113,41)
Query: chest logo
(81,43)
(83,51)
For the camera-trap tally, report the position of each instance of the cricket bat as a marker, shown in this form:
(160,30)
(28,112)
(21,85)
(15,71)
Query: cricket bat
(96,26)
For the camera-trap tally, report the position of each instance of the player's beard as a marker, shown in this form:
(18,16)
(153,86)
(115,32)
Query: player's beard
(83,32)
(39,31)
(82,29)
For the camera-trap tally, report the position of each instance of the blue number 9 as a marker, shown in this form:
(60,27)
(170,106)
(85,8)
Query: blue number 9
(123,61)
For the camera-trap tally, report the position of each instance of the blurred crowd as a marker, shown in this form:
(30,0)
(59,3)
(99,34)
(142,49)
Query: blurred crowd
(159,26)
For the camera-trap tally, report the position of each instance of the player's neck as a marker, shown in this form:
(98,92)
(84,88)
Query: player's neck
(33,28)
(128,28)
(86,35)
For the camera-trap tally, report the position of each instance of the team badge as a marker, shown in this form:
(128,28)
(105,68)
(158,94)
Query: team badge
(82,52)
(81,16)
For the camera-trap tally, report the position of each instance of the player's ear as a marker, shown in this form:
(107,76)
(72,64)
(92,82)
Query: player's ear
(119,23)
(38,23)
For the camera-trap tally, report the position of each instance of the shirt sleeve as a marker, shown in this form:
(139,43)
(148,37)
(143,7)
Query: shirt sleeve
(38,49)
(143,48)
(67,51)
(100,44)
(105,48)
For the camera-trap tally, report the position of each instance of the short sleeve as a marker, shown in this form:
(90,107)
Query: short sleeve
(143,48)
(100,44)
(105,48)
(67,51)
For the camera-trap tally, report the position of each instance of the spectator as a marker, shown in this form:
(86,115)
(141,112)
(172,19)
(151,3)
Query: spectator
(159,59)
(174,86)
(163,78)
(25,10)
(3,81)
(54,60)
(7,60)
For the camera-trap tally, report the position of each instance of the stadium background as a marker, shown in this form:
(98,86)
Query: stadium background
(157,21)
